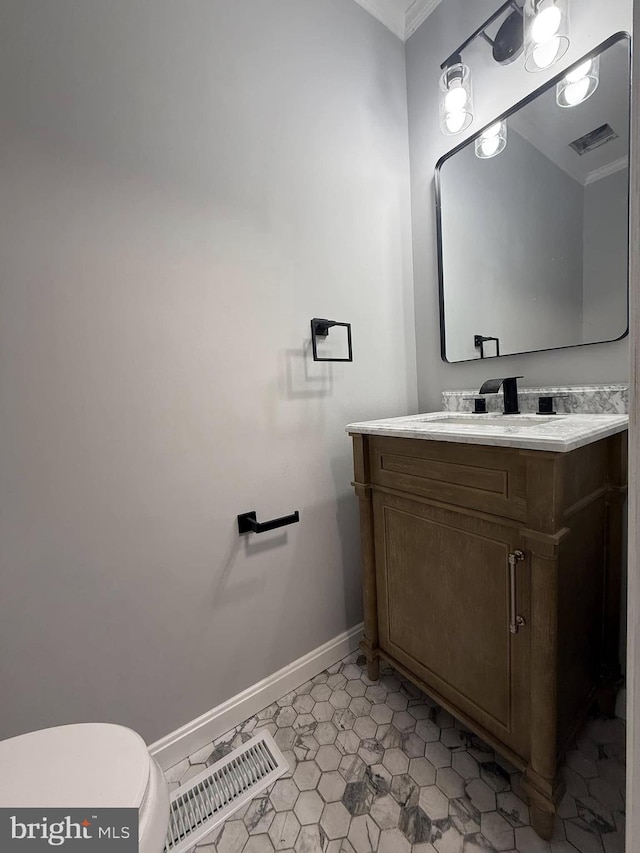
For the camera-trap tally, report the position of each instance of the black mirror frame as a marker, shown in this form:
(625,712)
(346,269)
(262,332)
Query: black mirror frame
(621,35)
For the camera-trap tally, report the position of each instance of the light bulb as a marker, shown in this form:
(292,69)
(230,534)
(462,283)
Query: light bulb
(579,84)
(546,24)
(492,141)
(546,33)
(579,72)
(576,92)
(455,121)
(489,146)
(545,54)
(456,99)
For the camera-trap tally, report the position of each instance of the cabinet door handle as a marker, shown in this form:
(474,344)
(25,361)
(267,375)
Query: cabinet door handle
(515,622)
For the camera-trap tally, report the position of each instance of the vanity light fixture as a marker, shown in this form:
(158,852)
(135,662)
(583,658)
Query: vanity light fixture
(492,141)
(541,25)
(579,84)
(546,33)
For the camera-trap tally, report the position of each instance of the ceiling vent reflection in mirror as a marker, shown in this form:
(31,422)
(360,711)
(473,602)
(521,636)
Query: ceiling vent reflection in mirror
(594,139)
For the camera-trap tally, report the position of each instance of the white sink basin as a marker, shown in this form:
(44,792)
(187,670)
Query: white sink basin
(526,421)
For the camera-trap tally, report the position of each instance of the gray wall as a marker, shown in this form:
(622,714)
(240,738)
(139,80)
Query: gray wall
(496,88)
(512,243)
(182,187)
(606,218)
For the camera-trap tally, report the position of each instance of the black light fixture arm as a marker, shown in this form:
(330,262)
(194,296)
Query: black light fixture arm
(457,53)
(488,40)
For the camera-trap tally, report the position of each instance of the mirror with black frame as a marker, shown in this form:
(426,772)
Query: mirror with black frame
(533,218)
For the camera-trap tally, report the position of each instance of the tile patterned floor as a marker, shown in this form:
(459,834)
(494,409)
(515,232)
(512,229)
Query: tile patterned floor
(377,767)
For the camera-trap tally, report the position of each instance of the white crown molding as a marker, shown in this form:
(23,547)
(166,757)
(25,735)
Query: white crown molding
(605,171)
(417,14)
(401,23)
(386,14)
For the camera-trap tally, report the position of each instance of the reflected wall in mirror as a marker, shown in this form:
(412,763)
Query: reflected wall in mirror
(533,241)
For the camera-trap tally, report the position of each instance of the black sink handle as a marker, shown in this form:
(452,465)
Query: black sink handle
(248,522)
(545,403)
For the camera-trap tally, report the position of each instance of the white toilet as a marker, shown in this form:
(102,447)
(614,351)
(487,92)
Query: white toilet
(87,765)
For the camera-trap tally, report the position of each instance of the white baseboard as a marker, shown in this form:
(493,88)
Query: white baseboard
(181,743)
(621,703)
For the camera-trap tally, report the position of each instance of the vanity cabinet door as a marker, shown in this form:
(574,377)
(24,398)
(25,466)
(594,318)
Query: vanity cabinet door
(443,587)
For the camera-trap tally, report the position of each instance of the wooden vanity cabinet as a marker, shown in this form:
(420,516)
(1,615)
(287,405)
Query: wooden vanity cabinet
(491,579)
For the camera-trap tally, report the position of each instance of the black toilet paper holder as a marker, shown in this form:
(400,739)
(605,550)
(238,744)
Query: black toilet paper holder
(248,522)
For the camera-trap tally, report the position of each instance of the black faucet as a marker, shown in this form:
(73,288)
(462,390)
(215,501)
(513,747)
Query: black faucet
(509,390)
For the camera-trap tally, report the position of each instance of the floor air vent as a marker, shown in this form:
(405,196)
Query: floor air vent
(212,796)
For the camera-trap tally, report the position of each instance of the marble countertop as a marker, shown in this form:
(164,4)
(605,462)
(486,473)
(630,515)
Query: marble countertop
(557,433)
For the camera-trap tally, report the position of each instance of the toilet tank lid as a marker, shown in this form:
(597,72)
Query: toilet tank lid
(82,765)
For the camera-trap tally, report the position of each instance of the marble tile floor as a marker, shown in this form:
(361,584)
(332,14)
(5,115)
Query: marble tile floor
(377,767)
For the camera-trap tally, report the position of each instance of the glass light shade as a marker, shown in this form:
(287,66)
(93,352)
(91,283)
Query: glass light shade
(546,33)
(456,99)
(579,84)
(492,141)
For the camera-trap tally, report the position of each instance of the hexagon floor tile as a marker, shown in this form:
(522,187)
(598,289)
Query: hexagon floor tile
(380,768)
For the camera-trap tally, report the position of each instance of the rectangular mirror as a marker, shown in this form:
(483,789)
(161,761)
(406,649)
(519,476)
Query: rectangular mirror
(533,240)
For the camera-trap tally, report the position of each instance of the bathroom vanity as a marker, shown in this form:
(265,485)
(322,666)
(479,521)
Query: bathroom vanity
(491,552)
